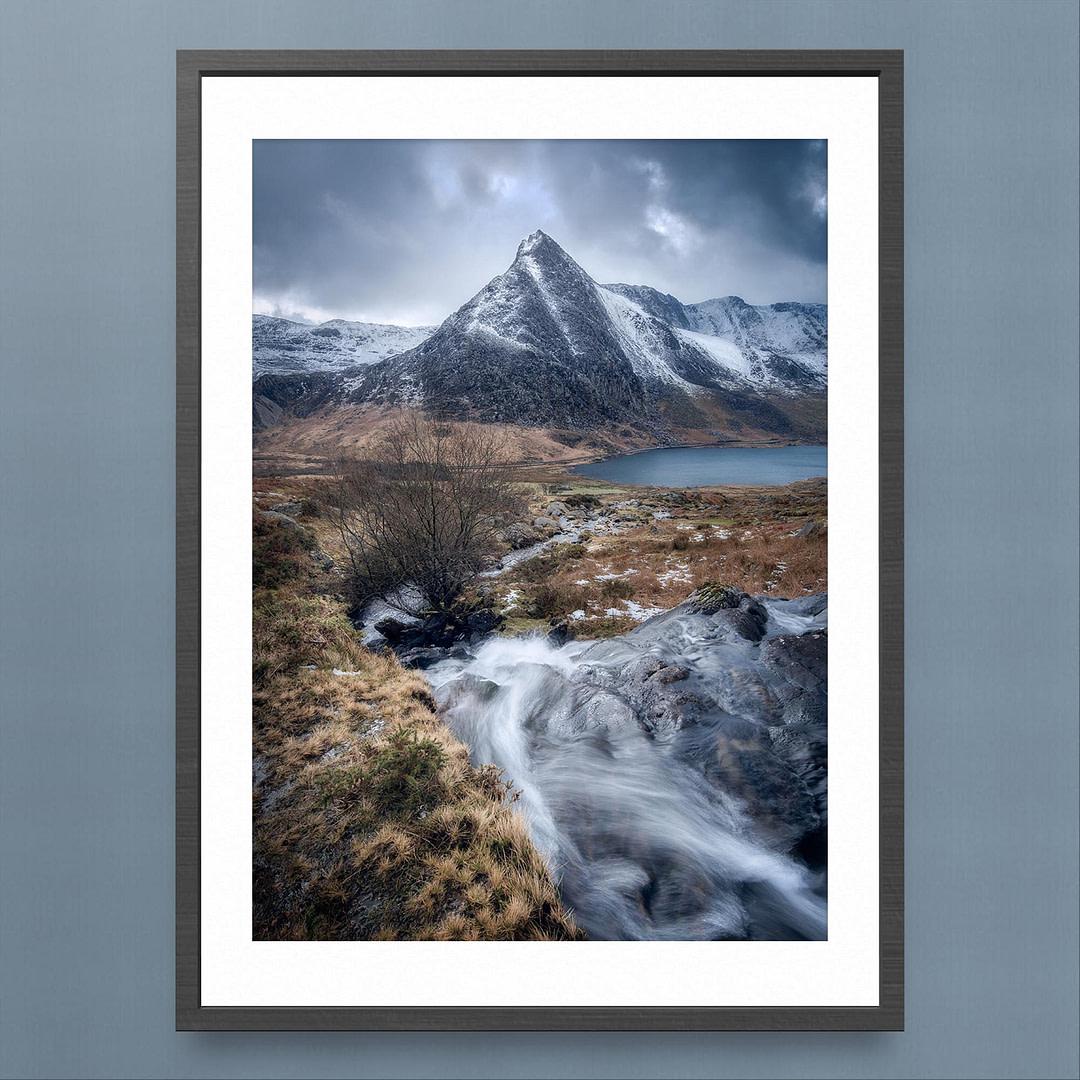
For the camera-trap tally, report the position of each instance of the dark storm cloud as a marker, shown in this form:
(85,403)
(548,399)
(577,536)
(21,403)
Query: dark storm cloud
(408,231)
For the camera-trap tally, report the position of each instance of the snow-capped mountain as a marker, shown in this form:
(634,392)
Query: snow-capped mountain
(544,345)
(771,337)
(279,346)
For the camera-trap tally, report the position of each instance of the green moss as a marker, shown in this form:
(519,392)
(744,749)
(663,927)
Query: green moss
(714,596)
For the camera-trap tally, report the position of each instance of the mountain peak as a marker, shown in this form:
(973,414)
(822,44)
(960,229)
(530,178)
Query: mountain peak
(539,243)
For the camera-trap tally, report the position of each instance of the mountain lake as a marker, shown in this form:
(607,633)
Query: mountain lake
(698,466)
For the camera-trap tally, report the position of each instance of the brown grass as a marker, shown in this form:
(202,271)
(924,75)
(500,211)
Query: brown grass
(745,537)
(369,821)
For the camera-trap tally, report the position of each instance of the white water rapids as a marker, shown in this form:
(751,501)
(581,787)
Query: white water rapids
(644,833)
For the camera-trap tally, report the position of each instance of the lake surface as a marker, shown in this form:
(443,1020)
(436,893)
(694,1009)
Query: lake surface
(696,466)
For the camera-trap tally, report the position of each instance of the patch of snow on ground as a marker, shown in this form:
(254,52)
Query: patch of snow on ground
(679,572)
(775,576)
(512,600)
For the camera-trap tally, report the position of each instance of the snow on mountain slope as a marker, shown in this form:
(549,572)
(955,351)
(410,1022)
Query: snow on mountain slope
(796,331)
(660,305)
(646,341)
(279,346)
(727,354)
(771,337)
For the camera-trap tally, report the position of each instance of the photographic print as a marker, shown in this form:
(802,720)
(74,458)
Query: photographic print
(540,539)
(540,414)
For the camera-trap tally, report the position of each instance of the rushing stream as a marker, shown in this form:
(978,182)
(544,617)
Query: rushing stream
(675,777)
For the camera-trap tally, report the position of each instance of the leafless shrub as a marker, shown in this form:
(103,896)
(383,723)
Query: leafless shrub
(421,510)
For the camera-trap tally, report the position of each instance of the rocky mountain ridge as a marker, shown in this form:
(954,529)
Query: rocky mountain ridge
(543,345)
(284,347)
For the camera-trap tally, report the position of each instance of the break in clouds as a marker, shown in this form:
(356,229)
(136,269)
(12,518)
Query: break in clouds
(407,231)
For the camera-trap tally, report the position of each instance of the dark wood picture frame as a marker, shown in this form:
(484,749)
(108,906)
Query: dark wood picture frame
(887,67)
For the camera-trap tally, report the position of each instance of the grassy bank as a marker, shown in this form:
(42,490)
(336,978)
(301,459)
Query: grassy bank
(368,820)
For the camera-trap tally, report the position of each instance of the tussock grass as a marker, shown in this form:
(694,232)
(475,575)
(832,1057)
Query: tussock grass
(369,820)
(742,535)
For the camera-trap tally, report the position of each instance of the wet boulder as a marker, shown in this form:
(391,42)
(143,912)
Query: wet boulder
(422,657)
(392,629)
(482,621)
(711,612)
(802,659)
(712,597)
(798,664)
(804,748)
(656,690)
(439,630)
(584,710)
(730,608)
(778,800)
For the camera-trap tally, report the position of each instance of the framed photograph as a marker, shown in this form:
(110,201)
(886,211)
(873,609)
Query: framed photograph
(532,407)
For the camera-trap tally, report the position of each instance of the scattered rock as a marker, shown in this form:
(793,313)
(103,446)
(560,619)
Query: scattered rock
(483,621)
(545,524)
(424,657)
(439,630)
(283,520)
(290,508)
(520,535)
(811,528)
(392,629)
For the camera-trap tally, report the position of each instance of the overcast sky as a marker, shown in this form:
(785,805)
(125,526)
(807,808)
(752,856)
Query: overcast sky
(407,231)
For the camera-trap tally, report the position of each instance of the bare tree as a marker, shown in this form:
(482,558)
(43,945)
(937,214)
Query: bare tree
(422,508)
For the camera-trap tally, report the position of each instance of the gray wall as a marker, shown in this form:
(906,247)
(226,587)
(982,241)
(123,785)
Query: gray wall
(86,415)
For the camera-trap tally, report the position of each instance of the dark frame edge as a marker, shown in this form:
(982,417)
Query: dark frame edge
(891,536)
(188,155)
(887,66)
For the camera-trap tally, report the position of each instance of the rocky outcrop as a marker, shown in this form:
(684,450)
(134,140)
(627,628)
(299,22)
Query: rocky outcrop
(284,520)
